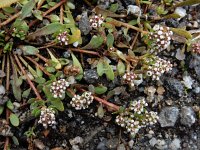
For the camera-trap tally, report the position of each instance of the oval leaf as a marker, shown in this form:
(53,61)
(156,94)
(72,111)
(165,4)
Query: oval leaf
(77,64)
(94,43)
(48,29)
(14,120)
(120,68)
(29,50)
(6,3)
(182,32)
(110,40)
(100,89)
(27,8)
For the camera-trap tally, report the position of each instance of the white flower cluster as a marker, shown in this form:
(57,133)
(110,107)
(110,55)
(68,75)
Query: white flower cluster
(83,101)
(158,67)
(58,88)
(63,38)
(138,106)
(161,38)
(47,117)
(136,116)
(128,78)
(196,48)
(96,21)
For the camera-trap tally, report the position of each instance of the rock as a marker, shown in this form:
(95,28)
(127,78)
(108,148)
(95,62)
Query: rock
(84,24)
(75,147)
(187,116)
(195,64)
(121,147)
(91,76)
(76,140)
(112,143)
(102,145)
(2,90)
(168,116)
(161,144)
(175,144)
(153,142)
(174,86)
(131,143)
(188,81)
(180,11)
(180,55)
(39,144)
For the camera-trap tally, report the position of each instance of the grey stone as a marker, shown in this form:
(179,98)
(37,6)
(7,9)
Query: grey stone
(121,147)
(174,86)
(168,116)
(161,144)
(187,116)
(84,24)
(91,76)
(102,145)
(175,144)
(153,142)
(2,90)
(112,143)
(195,64)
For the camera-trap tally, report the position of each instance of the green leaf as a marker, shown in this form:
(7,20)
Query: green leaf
(104,68)
(15,140)
(16,83)
(95,42)
(76,35)
(54,18)
(48,29)
(1,109)
(40,80)
(77,64)
(27,8)
(26,93)
(110,40)
(10,105)
(100,89)
(58,104)
(31,100)
(14,120)
(70,5)
(185,3)
(29,50)
(39,72)
(36,112)
(120,67)
(100,111)
(50,69)
(121,55)
(6,3)
(9,10)
(38,14)
(182,32)
(114,7)
(54,59)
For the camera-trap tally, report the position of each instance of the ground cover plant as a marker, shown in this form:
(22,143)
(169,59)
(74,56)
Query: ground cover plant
(124,74)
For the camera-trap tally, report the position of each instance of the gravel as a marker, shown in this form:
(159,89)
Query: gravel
(187,116)
(168,116)
(174,86)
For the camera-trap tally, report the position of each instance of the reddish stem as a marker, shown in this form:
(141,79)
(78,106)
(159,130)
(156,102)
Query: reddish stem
(84,51)
(10,19)
(38,65)
(48,11)
(41,57)
(27,78)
